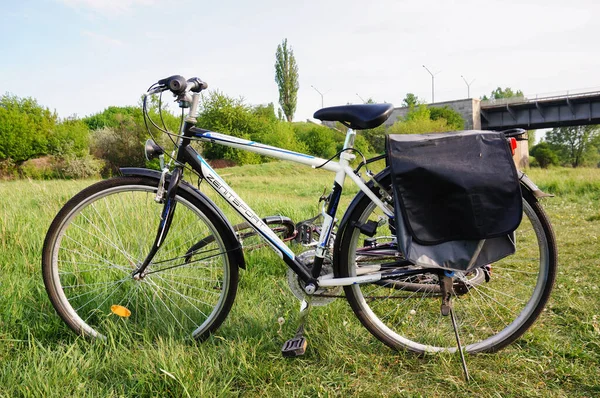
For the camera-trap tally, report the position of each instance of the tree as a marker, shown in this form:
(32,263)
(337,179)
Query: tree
(507,92)
(24,128)
(531,138)
(454,120)
(574,145)
(286,77)
(411,100)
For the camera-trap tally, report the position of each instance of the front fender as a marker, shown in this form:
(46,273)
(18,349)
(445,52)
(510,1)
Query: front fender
(216,217)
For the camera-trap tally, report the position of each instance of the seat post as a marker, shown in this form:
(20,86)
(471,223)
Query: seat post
(350,136)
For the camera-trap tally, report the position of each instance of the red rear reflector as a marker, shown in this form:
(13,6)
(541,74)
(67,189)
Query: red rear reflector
(513,144)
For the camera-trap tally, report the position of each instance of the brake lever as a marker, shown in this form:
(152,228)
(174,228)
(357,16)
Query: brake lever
(157,90)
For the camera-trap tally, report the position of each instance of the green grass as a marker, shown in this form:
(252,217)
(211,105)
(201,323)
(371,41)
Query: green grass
(39,356)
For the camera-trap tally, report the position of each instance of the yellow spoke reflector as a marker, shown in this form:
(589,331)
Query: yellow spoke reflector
(120,311)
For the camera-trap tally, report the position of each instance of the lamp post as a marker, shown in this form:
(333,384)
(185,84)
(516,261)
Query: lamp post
(468,86)
(361,98)
(320,93)
(432,84)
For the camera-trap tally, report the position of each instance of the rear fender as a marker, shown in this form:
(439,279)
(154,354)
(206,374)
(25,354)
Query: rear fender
(531,187)
(525,181)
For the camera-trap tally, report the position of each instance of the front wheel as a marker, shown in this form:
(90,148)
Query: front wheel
(104,233)
(490,314)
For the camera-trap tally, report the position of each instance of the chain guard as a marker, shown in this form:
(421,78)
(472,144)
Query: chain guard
(320,297)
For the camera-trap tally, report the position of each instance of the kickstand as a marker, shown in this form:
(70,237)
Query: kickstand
(460,350)
(447,288)
(296,346)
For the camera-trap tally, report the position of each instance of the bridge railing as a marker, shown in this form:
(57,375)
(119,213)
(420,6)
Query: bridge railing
(542,97)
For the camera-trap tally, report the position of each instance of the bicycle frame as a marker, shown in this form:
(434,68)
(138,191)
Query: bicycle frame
(187,155)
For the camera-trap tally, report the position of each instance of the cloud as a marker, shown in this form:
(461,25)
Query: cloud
(107,7)
(103,39)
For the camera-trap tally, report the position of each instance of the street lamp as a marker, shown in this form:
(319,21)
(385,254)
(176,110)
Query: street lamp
(432,84)
(320,93)
(468,86)
(361,98)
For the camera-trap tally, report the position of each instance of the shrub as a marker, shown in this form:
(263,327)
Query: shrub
(230,116)
(8,168)
(43,168)
(72,167)
(319,140)
(544,155)
(454,120)
(418,121)
(375,137)
(80,167)
(119,146)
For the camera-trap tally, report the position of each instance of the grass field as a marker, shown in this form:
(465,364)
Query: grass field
(39,356)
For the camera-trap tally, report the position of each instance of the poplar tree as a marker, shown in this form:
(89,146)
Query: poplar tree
(286,77)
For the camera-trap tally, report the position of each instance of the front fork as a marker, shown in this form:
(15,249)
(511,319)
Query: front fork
(165,220)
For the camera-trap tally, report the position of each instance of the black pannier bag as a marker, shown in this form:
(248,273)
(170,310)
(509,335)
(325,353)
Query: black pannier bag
(457,198)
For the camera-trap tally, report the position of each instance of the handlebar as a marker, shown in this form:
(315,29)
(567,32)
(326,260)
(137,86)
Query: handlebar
(178,85)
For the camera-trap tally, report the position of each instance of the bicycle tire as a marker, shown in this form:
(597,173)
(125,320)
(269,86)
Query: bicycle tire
(489,315)
(103,233)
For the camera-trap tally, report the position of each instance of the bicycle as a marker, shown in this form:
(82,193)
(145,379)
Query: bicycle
(282,226)
(103,263)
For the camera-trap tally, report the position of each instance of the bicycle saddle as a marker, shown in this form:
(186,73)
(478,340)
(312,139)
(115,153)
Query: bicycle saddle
(357,117)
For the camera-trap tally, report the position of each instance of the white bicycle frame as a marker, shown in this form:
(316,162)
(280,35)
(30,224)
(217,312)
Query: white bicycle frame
(341,170)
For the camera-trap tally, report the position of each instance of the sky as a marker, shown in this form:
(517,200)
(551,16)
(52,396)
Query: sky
(80,56)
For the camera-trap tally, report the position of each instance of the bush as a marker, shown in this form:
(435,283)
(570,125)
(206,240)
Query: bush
(418,121)
(544,155)
(44,168)
(80,167)
(118,147)
(454,120)
(8,168)
(50,167)
(375,137)
(319,140)
(533,162)
(230,116)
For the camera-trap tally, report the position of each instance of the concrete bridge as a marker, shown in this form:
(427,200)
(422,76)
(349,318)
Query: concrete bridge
(575,109)
(570,109)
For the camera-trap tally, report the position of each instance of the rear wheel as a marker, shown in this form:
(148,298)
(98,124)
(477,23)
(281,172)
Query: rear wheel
(105,232)
(405,314)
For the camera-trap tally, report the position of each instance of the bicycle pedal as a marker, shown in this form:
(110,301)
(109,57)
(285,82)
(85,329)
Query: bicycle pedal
(294,347)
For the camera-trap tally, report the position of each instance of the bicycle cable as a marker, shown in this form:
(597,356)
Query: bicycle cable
(339,153)
(147,118)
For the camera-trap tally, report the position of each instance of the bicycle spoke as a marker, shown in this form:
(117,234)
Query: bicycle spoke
(161,277)
(187,299)
(95,248)
(161,301)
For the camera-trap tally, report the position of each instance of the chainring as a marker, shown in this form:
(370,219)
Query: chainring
(322,296)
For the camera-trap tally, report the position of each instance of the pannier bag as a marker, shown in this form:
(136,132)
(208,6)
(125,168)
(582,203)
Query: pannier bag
(457,198)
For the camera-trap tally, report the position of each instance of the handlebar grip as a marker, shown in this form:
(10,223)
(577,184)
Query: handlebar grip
(197,85)
(176,84)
